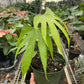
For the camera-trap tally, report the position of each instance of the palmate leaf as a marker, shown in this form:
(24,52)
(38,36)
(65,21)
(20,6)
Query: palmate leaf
(27,44)
(23,42)
(50,18)
(53,16)
(26,61)
(25,30)
(26,41)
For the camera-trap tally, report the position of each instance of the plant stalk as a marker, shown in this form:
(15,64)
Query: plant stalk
(76,46)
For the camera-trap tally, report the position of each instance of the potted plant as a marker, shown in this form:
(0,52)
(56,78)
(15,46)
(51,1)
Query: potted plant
(45,27)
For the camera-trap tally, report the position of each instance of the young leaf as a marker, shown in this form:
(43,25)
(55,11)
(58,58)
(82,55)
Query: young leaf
(22,44)
(52,20)
(26,61)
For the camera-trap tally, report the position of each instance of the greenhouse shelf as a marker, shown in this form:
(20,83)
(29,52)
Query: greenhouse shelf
(68,66)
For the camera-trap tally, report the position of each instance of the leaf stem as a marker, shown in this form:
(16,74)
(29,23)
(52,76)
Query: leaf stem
(76,46)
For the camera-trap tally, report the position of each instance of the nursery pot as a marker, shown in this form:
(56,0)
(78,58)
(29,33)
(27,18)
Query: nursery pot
(7,61)
(53,78)
(82,37)
(73,53)
(82,34)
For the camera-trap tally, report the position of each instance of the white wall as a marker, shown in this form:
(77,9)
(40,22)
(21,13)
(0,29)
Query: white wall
(4,3)
(29,1)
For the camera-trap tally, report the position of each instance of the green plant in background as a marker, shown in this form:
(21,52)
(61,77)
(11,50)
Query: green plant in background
(45,26)
(11,22)
(80,64)
(12,18)
(52,5)
(76,18)
(34,7)
(7,40)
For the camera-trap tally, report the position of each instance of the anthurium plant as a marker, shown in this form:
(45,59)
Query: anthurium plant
(7,40)
(11,22)
(45,26)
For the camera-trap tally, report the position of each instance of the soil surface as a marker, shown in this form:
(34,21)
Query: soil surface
(52,65)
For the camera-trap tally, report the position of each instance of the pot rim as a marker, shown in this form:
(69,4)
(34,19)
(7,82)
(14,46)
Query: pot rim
(48,72)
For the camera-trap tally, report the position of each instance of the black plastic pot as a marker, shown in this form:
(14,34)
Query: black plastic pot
(82,37)
(53,78)
(7,62)
(82,34)
(73,54)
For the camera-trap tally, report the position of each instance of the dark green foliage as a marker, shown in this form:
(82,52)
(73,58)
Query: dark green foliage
(52,5)
(72,2)
(62,4)
(34,7)
(1,9)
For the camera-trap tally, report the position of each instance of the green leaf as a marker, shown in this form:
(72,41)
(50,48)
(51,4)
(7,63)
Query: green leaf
(5,16)
(23,49)
(77,13)
(49,42)
(64,32)
(12,49)
(23,42)
(73,8)
(17,18)
(26,61)
(55,35)
(78,27)
(71,17)
(50,18)
(20,25)
(6,49)
(76,22)
(11,21)
(8,37)
(13,30)
(43,30)
(24,31)
(43,51)
(12,43)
